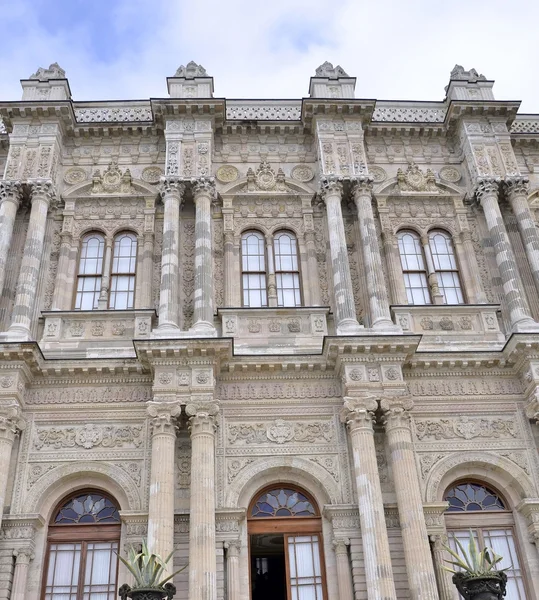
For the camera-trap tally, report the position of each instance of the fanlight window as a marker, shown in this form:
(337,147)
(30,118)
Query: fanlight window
(88,508)
(283,502)
(469,497)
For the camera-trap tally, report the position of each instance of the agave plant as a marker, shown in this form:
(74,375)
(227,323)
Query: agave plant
(474,563)
(147,568)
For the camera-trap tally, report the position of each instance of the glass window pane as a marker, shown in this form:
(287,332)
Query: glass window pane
(63,571)
(287,270)
(413,267)
(445,264)
(100,573)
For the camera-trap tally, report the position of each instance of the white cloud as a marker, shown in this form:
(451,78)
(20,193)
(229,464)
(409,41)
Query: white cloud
(397,50)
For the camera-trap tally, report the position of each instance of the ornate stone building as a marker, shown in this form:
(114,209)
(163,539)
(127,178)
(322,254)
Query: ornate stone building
(297,341)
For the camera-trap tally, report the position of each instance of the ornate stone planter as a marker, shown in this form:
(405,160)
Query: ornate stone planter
(167,591)
(488,587)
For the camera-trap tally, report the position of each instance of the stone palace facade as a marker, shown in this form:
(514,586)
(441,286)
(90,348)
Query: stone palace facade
(297,341)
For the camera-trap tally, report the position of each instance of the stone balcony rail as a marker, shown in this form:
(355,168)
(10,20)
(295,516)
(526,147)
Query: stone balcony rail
(526,124)
(452,327)
(275,330)
(95,333)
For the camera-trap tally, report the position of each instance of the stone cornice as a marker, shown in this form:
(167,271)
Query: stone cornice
(458,109)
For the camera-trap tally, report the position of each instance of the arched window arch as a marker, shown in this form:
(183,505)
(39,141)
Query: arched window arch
(253,266)
(476,506)
(123,271)
(285,537)
(90,271)
(414,268)
(445,266)
(82,542)
(285,248)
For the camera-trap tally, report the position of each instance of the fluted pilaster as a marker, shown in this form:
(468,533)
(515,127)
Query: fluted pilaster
(202,561)
(11,424)
(397,291)
(169,305)
(10,198)
(487,194)
(345,312)
(439,554)
(23,556)
(344,574)
(203,194)
(358,414)
(233,569)
(419,567)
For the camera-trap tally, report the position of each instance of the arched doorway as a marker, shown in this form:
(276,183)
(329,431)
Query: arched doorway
(82,541)
(285,546)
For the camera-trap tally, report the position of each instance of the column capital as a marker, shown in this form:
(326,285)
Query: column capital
(516,186)
(11,422)
(162,416)
(330,186)
(340,545)
(362,186)
(23,555)
(43,189)
(11,191)
(203,187)
(487,186)
(396,412)
(358,413)
(232,548)
(202,416)
(171,186)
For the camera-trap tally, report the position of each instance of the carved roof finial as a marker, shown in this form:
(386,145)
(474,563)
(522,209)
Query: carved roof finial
(191,71)
(471,76)
(54,71)
(328,70)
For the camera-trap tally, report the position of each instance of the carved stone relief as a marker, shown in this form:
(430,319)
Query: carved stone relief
(280,432)
(466,428)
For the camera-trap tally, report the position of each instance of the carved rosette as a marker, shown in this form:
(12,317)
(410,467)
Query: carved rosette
(396,412)
(42,189)
(358,413)
(11,191)
(11,422)
(517,186)
(487,186)
(204,186)
(202,417)
(362,186)
(330,186)
(163,417)
(171,186)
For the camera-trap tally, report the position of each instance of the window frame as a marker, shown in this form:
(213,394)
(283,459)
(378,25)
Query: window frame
(281,272)
(424,271)
(118,274)
(243,272)
(455,271)
(81,276)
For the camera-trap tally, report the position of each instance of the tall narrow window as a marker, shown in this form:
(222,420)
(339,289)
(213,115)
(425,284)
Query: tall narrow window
(83,539)
(122,283)
(445,265)
(477,507)
(253,270)
(413,268)
(90,271)
(285,248)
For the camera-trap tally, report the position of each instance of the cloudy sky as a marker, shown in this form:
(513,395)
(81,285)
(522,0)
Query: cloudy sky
(397,49)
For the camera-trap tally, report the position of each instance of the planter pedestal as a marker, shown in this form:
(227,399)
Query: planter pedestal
(167,592)
(481,588)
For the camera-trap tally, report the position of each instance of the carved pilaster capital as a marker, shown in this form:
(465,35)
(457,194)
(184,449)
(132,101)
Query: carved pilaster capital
(362,186)
(203,187)
(11,422)
(532,407)
(232,548)
(171,187)
(340,545)
(358,413)
(487,187)
(163,416)
(438,540)
(23,555)
(396,412)
(465,235)
(516,186)
(42,189)
(11,191)
(330,186)
(202,417)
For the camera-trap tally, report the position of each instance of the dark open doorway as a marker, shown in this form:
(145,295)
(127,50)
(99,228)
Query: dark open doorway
(268,568)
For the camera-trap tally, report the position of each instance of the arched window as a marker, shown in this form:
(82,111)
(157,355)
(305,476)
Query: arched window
(285,248)
(253,263)
(122,280)
(414,269)
(445,265)
(82,542)
(285,537)
(90,271)
(477,507)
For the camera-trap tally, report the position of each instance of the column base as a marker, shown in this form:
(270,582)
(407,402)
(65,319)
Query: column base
(386,326)
(203,329)
(526,326)
(349,327)
(166,330)
(16,333)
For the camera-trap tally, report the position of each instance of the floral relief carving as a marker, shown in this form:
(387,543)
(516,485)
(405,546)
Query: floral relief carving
(466,428)
(279,390)
(94,394)
(280,432)
(330,464)
(427,461)
(235,466)
(36,471)
(187,258)
(465,387)
(88,436)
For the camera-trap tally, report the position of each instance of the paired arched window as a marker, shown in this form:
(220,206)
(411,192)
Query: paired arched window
(82,542)
(478,507)
(418,261)
(92,268)
(283,263)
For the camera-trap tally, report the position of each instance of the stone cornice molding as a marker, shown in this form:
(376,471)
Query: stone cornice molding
(487,187)
(516,186)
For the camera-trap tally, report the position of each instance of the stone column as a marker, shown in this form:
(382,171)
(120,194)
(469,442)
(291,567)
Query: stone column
(358,414)
(439,554)
(397,291)
(345,311)
(61,283)
(419,567)
(42,192)
(202,562)
(10,425)
(487,195)
(517,190)
(103,302)
(10,197)
(147,270)
(203,194)
(436,295)
(231,284)
(20,574)
(233,569)
(162,484)
(169,305)
(380,317)
(344,574)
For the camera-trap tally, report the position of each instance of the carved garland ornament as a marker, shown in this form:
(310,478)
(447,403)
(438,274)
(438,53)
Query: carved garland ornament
(281,432)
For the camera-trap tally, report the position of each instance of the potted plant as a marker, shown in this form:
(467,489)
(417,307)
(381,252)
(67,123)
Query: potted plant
(478,577)
(147,568)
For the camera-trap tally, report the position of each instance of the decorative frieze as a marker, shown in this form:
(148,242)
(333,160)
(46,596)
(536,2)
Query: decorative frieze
(280,432)
(285,390)
(466,428)
(93,394)
(116,114)
(88,436)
